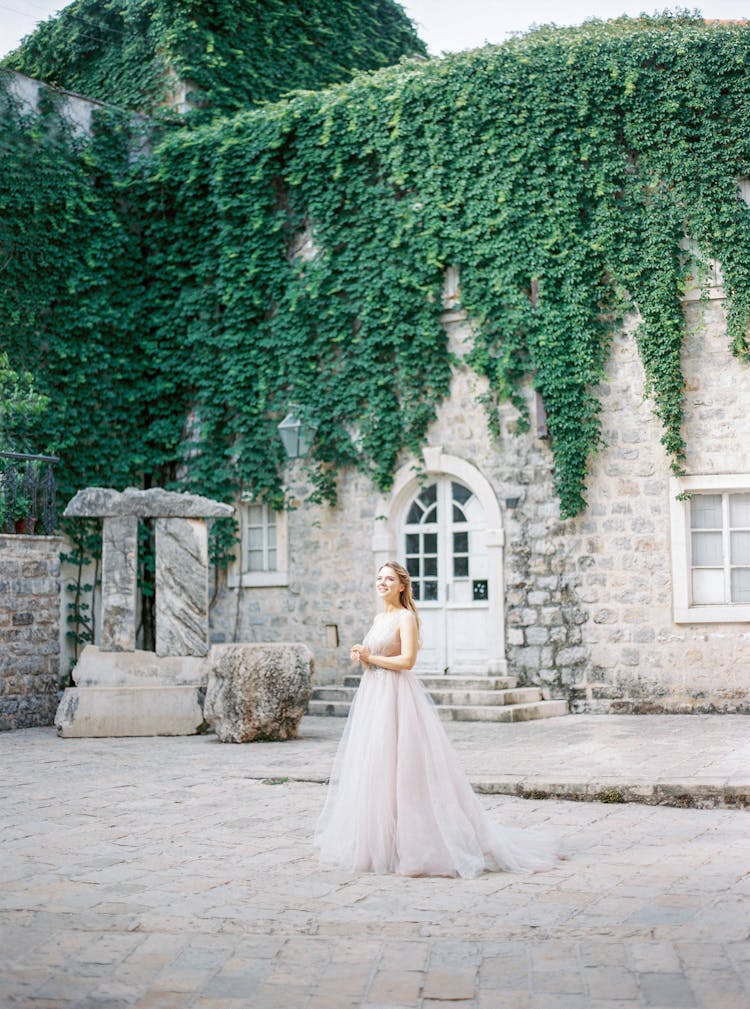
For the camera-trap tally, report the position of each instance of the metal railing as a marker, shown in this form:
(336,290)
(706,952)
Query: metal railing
(27,493)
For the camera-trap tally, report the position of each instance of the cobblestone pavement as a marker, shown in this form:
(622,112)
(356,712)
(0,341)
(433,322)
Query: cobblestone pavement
(178,873)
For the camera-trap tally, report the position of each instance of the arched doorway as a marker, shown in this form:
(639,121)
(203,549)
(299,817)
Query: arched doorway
(445,528)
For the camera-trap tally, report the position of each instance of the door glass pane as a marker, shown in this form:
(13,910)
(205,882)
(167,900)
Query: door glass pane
(415,514)
(429,544)
(705,511)
(458,515)
(430,590)
(460,543)
(461,567)
(412,543)
(429,495)
(708,586)
(739,511)
(412,566)
(740,548)
(461,494)
(741,585)
(431,514)
(255,538)
(430,566)
(707,548)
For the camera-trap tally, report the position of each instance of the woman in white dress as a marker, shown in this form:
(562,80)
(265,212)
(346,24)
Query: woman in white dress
(398,800)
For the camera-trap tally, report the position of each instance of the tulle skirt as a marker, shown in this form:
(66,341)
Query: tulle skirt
(398,801)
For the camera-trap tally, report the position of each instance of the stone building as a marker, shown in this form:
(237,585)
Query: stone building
(641,604)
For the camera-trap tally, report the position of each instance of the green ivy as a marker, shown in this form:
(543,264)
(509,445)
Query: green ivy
(296,253)
(133,53)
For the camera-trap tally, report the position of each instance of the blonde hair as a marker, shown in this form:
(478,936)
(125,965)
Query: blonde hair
(406,596)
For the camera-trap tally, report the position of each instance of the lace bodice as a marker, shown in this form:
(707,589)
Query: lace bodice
(383,637)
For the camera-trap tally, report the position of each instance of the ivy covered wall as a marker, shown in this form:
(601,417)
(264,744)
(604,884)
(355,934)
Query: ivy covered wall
(560,173)
(296,253)
(133,53)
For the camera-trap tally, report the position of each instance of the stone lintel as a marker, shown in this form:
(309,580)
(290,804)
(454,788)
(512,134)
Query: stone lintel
(105,502)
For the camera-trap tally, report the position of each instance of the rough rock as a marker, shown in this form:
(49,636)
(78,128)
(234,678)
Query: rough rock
(105,502)
(258,691)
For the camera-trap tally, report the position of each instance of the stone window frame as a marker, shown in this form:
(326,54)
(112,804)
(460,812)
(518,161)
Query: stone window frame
(680,487)
(238,575)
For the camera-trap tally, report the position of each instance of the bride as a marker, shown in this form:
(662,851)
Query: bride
(398,800)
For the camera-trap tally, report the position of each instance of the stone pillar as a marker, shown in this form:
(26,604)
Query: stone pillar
(119,572)
(181,586)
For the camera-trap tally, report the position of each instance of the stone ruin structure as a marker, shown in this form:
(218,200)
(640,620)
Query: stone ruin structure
(121,690)
(252,691)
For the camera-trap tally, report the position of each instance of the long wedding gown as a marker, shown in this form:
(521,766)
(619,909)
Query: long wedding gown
(398,800)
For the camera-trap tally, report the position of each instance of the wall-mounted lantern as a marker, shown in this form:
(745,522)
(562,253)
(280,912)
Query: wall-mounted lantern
(296,436)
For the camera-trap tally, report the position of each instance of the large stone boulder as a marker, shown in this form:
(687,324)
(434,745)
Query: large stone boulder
(257,691)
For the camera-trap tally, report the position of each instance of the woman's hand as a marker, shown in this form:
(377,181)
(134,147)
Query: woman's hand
(359,653)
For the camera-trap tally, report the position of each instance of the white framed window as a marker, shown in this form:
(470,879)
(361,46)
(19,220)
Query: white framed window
(711,548)
(261,558)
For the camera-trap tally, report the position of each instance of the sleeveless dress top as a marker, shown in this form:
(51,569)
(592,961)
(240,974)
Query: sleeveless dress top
(398,801)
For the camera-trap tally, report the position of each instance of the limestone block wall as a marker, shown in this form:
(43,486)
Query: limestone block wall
(330,598)
(635,657)
(29,630)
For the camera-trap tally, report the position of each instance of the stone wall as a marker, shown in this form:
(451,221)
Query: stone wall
(588,606)
(29,630)
(634,656)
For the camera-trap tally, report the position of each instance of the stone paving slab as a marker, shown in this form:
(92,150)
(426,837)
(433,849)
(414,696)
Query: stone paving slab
(178,873)
(678,760)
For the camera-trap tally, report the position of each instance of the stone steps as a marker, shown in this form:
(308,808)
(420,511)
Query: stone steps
(503,713)
(458,698)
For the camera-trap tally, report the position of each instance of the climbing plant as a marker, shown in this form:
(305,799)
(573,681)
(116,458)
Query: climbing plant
(229,53)
(296,252)
(560,172)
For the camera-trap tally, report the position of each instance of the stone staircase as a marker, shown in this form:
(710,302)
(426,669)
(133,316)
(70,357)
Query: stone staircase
(458,698)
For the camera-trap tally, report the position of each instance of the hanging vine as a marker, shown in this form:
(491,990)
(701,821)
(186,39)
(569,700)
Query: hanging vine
(295,253)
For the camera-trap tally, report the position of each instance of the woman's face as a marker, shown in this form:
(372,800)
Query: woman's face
(388,585)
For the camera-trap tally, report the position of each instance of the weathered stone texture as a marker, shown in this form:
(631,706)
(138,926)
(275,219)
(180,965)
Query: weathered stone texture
(119,575)
(638,658)
(181,587)
(29,630)
(103,502)
(257,692)
(331,579)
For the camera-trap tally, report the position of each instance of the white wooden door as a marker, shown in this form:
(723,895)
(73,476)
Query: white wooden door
(444,545)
